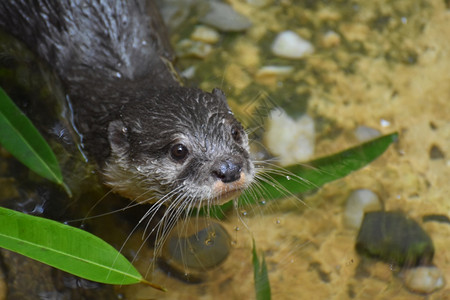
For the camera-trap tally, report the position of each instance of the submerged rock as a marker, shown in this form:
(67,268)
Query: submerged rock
(288,44)
(424,280)
(205,34)
(394,238)
(359,202)
(291,140)
(194,247)
(364,133)
(189,48)
(225,18)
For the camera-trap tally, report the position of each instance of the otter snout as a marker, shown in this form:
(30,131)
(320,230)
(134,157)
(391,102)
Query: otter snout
(227,170)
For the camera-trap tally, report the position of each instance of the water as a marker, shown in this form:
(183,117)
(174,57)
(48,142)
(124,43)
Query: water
(385,67)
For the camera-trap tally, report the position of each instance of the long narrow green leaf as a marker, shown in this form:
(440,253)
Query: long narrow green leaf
(66,248)
(23,140)
(260,276)
(302,178)
(305,177)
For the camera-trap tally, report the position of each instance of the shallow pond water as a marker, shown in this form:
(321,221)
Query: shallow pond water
(380,64)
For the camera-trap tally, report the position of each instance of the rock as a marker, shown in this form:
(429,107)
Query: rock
(358,203)
(272,73)
(364,133)
(189,72)
(205,34)
(176,12)
(259,3)
(290,140)
(189,48)
(194,247)
(225,18)
(424,280)
(331,39)
(288,44)
(395,239)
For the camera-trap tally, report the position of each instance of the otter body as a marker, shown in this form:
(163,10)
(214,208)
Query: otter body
(147,133)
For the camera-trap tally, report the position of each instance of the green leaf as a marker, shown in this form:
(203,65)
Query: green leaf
(23,140)
(302,178)
(66,248)
(305,177)
(261,278)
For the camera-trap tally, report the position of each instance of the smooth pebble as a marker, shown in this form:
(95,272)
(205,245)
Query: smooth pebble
(288,44)
(225,18)
(291,140)
(424,279)
(364,133)
(205,34)
(273,71)
(358,203)
(189,48)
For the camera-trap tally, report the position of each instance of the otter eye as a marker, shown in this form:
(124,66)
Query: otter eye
(179,152)
(236,134)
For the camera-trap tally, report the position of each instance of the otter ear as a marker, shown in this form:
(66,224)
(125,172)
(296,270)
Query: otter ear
(118,136)
(220,95)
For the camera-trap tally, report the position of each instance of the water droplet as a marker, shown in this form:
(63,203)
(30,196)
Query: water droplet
(236,228)
(209,242)
(244,212)
(288,177)
(118,75)
(144,42)
(263,202)
(277,221)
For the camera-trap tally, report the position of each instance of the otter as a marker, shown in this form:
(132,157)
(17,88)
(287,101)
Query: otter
(153,139)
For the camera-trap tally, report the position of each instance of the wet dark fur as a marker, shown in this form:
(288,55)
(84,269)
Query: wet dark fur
(115,62)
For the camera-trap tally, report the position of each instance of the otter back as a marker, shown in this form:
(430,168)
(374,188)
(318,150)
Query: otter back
(121,39)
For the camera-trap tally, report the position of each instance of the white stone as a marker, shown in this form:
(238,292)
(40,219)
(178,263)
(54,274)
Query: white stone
(358,203)
(288,44)
(223,17)
(189,72)
(364,133)
(290,140)
(205,34)
(425,279)
(189,48)
(268,71)
(259,3)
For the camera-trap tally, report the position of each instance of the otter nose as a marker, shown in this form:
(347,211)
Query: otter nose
(228,171)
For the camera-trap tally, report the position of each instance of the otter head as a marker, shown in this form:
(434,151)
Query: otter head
(181,144)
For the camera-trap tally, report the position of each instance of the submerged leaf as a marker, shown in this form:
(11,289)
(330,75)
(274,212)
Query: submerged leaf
(66,248)
(305,177)
(23,140)
(261,278)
